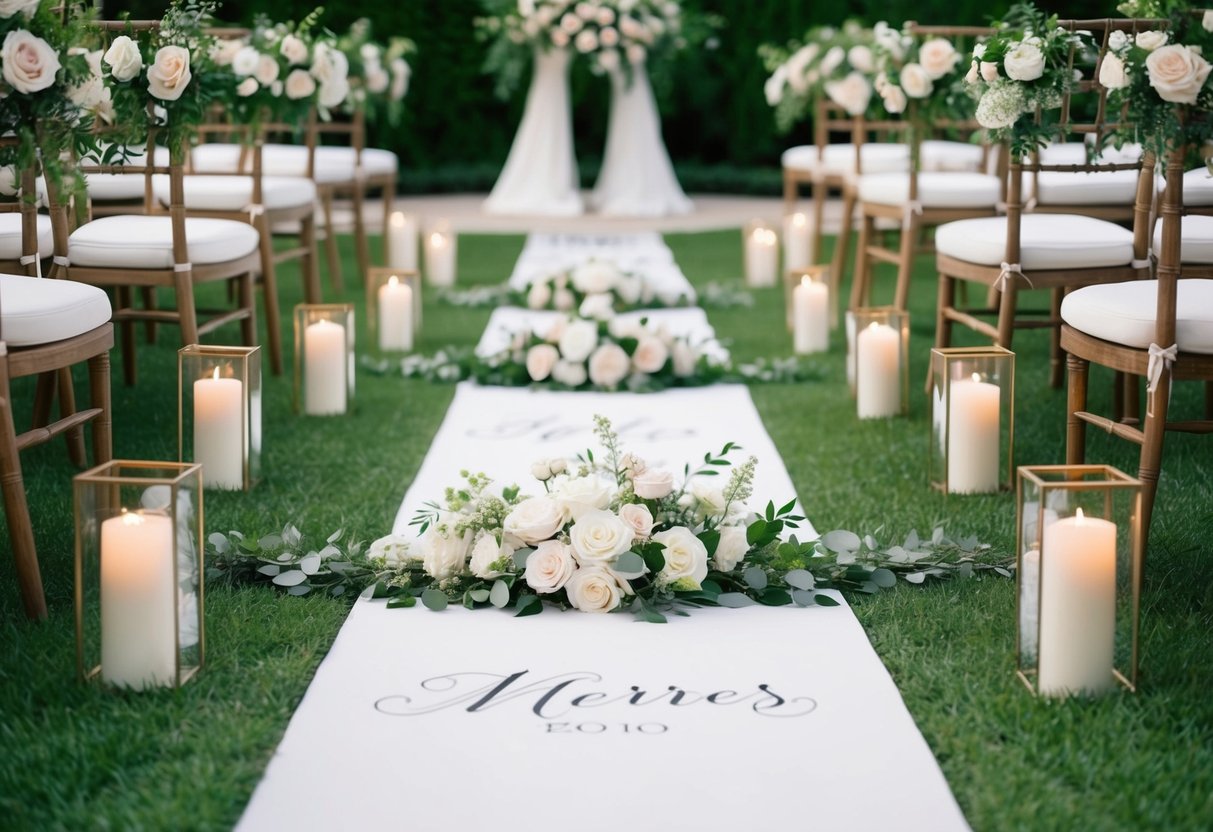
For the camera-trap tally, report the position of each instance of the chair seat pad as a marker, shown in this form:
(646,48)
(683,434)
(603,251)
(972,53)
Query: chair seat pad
(1047,241)
(1196,240)
(36,310)
(938,155)
(235,193)
(839,159)
(121,187)
(139,242)
(1123,313)
(334,165)
(1198,188)
(1103,187)
(935,190)
(10,237)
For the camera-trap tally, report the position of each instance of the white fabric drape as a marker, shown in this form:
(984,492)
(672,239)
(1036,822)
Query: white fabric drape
(540,175)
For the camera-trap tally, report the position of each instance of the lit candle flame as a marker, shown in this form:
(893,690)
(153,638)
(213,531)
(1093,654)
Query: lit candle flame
(1078,516)
(438,239)
(397,219)
(215,375)
(799,220)
(393,280)
(976,377)
(129,519)
(805,280)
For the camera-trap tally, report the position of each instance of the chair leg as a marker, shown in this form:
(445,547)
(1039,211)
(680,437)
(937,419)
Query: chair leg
(1120,396)
(99,393)
(859,281)
(362,248)
(842,250)
(16,507)
(330,242)
(1154,430)
(1076,400)
(148,293)
(309,264)
(790,190)
(1006,314)
(67,407)
(44,398)
(187,310)
(129,367)
(905,264)
(269,289)
(1057,355)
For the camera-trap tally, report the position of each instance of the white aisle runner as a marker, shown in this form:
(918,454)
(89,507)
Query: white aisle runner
(760,718)
(642,253)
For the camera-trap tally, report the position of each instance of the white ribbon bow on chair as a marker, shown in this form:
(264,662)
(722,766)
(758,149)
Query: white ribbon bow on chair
(912,208)
(1160,359)
(1009,270)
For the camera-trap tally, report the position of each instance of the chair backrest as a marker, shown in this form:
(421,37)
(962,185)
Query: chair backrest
(1171,210)
(24,202)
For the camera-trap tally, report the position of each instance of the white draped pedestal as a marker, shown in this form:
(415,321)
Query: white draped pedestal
(637,179)
(540,175)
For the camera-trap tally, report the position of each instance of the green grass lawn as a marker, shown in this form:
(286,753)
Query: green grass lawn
(76,756)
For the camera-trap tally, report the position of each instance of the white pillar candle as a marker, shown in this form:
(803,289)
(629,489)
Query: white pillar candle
(761,258)
(138,591)
(324,365)
(810,317)
(878,371)
(401,245)
(973,434)
(395,316)
(1077,605)
(440,258)
(219,431)
(797,241)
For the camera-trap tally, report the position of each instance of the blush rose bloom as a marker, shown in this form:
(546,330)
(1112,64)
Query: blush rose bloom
(539,295)
(535,519)
(651,354)
(540,360)
(444,554)
(860,57)
(653,484)
(560,38)
(1024,63)
(569,374)
(549,567)
(989,71)
(1150,41)
(267,70)
(609,365)
(485,553)
(851,93)
(586,41)
(1177,73)
(731,549)
(639,518)
(937,57)
(245,61)
(915,81)
(393,549)
(123,58)
(577,495)
(685,359)
(169,74)
(1112,75)
(293,49)
(30,64)
(598,537)
(299,85)
(600,307)
(595,276)
(333,92)
(636,54)
(578,340)
(247,87)
(685,555)
(593,589)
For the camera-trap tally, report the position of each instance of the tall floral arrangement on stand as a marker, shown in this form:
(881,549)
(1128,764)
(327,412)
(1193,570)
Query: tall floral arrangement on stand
(839,64)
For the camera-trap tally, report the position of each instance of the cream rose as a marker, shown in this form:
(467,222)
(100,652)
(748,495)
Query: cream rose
(608,59)
(606,16)
(549,567)
(539,295)
(394,549)
(651,354)
(123,58)
(600,307)
(293,49)
(595,276)
(247,87)
(593,589)
(534,519)
(609,365)
(299,85)
(636,54)
(989,71)
(586,41)
(377,80)
(625,328)
(333,92)
(578,340)
(267,70)
(653,484)
(915,82)
(329,63)
(577,495)
(1112,75)
(974,73)
(540,359)
(444,553)
(1206,21)
(1024,63)
(639,518)
(860,57)
(25,8)
(169,74)
(30,64)
(1150,41)
(851,93)
(1177,73)
(485,553)
(937,57)
(571,24)
(708,497)
(609,37)
(832,59)
(731,549)
(245,61)
(548,468)
(569,374)
(598,537)
(685,555)
(629,288)
(560,38)
(563,300)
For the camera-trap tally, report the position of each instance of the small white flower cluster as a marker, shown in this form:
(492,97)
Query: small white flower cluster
(609,32)
(1018,71)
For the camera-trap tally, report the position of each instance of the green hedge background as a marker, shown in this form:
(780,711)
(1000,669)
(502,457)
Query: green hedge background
(719,130)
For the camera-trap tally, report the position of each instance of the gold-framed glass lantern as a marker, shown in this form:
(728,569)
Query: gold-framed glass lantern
(393,308)
(972,419)
(879,354)
(760,242)
(1079,578)
(441,253)
(793,277)
(219,413)
(139,573)
(324,358)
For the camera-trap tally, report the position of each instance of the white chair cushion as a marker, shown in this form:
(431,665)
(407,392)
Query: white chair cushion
(122,187)
(1047,241)
(1104,187)
(839,159)
(235,193)
(10,237)
(333,164)
(1123,313)
(1196,240)
(139,242)
(1198,187)
(37,310)
(935,190)
(937,155)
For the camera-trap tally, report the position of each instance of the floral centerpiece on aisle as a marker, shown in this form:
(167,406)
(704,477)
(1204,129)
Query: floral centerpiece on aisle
(839,64)
(597,289)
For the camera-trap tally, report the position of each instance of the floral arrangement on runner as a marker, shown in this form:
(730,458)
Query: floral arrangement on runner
(716,294)
(607,533)
(837,63)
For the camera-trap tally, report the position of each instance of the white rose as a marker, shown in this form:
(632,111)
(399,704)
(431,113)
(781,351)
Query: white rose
(685,555)
(549,567)
(223,52)
(600,307)
(606,16)
(377,80)
(266,72)
(485,553)
(1024,63)
(609,37)
(639,518)
(245,61)
(578,340)
(586,11)
(989,71)
(608,60)
(1177,73)
(563,300)
(731,549)
(629,288)
(560,38)
(169,74)
(540,359)
(577,495)
(369,53)
(631,28)
(653,484)
(1112,75)
(598,537)
(586,41)
(593,589)
(539,295)
(710,498)
(571,24)
(444,554)
(636,54)
(651,354)
(569,374)
(622,327)
(89,93)
(535,519)
(299,84)
(394,549)
(25,8)
(548,468)
(247,87)
(1150,41)
(400,78)
(30,64)
(293,49)
(595,276)
(851,93)
(979,51)
(832,59)
(685,359)
(915,82)
(8,180)
(1118,40)
(937,57)
(276,89)
(333,92)
(609,365)
(860,57)
(329,63)
(974,73)
(123,58)
(1207,21)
